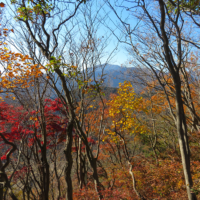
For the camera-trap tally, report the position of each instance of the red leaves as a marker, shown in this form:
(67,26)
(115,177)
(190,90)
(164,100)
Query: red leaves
(90,140)
(3,157)
(74,149)
(21,124)
(54,106)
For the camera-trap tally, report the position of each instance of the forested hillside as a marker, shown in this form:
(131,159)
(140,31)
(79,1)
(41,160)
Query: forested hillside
(74,128)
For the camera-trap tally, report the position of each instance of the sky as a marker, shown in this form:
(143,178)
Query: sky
(120,56)
(106,26)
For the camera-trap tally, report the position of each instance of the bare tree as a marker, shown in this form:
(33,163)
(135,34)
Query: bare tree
(156,43)
(71,75)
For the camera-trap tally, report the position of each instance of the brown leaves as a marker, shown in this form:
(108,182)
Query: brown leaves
(2,5)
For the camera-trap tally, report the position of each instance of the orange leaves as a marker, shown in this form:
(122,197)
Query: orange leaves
(5,31)
(18,70)
(2,5)
(33,118)
(10,74)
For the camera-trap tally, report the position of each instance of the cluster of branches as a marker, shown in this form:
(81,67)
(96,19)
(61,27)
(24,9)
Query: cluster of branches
(58,67)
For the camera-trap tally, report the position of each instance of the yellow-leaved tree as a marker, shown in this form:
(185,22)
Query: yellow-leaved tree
(123,110)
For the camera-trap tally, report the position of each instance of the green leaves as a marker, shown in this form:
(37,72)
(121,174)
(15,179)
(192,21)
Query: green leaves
(33,9)
(192,6)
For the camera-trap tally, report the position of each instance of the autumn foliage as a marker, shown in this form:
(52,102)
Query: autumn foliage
(61,137)
(126,138)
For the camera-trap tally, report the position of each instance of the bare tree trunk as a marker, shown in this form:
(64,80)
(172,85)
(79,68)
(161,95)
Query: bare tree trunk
(134,182)
(69,160)
(3,176)
(45,164)
(81,133)
(130,168)
(180,114)
(183,143)
(45,177)
(80,165)
(1,189)
(98,185)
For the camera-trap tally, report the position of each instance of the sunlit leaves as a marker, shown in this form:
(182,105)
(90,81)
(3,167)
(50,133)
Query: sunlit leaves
(18,71)
(123,110)
(33,9)
(192,6)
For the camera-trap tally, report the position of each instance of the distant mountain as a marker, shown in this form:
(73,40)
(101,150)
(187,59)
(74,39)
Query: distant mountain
(115,74)
(112,75)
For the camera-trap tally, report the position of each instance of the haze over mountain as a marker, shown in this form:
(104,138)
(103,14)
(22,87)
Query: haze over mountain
(115,74)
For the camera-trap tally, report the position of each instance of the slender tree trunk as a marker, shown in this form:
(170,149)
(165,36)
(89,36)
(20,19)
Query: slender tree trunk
(183,142)
(134,182)
(80,164)
(45,177)
(180,114)
(98,185)
(1,191)
(1,182)
(92,160)
(69,160)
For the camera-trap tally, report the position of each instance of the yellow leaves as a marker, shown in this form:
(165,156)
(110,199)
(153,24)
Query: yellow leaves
(33,118)
(180,184)
(7,56)
(9,67)
(123,109)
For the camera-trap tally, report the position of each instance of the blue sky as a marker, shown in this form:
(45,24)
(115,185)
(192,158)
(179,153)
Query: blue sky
(120,55)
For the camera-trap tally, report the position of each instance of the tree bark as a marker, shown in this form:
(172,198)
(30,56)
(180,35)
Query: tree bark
(69,161)
(180,114)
